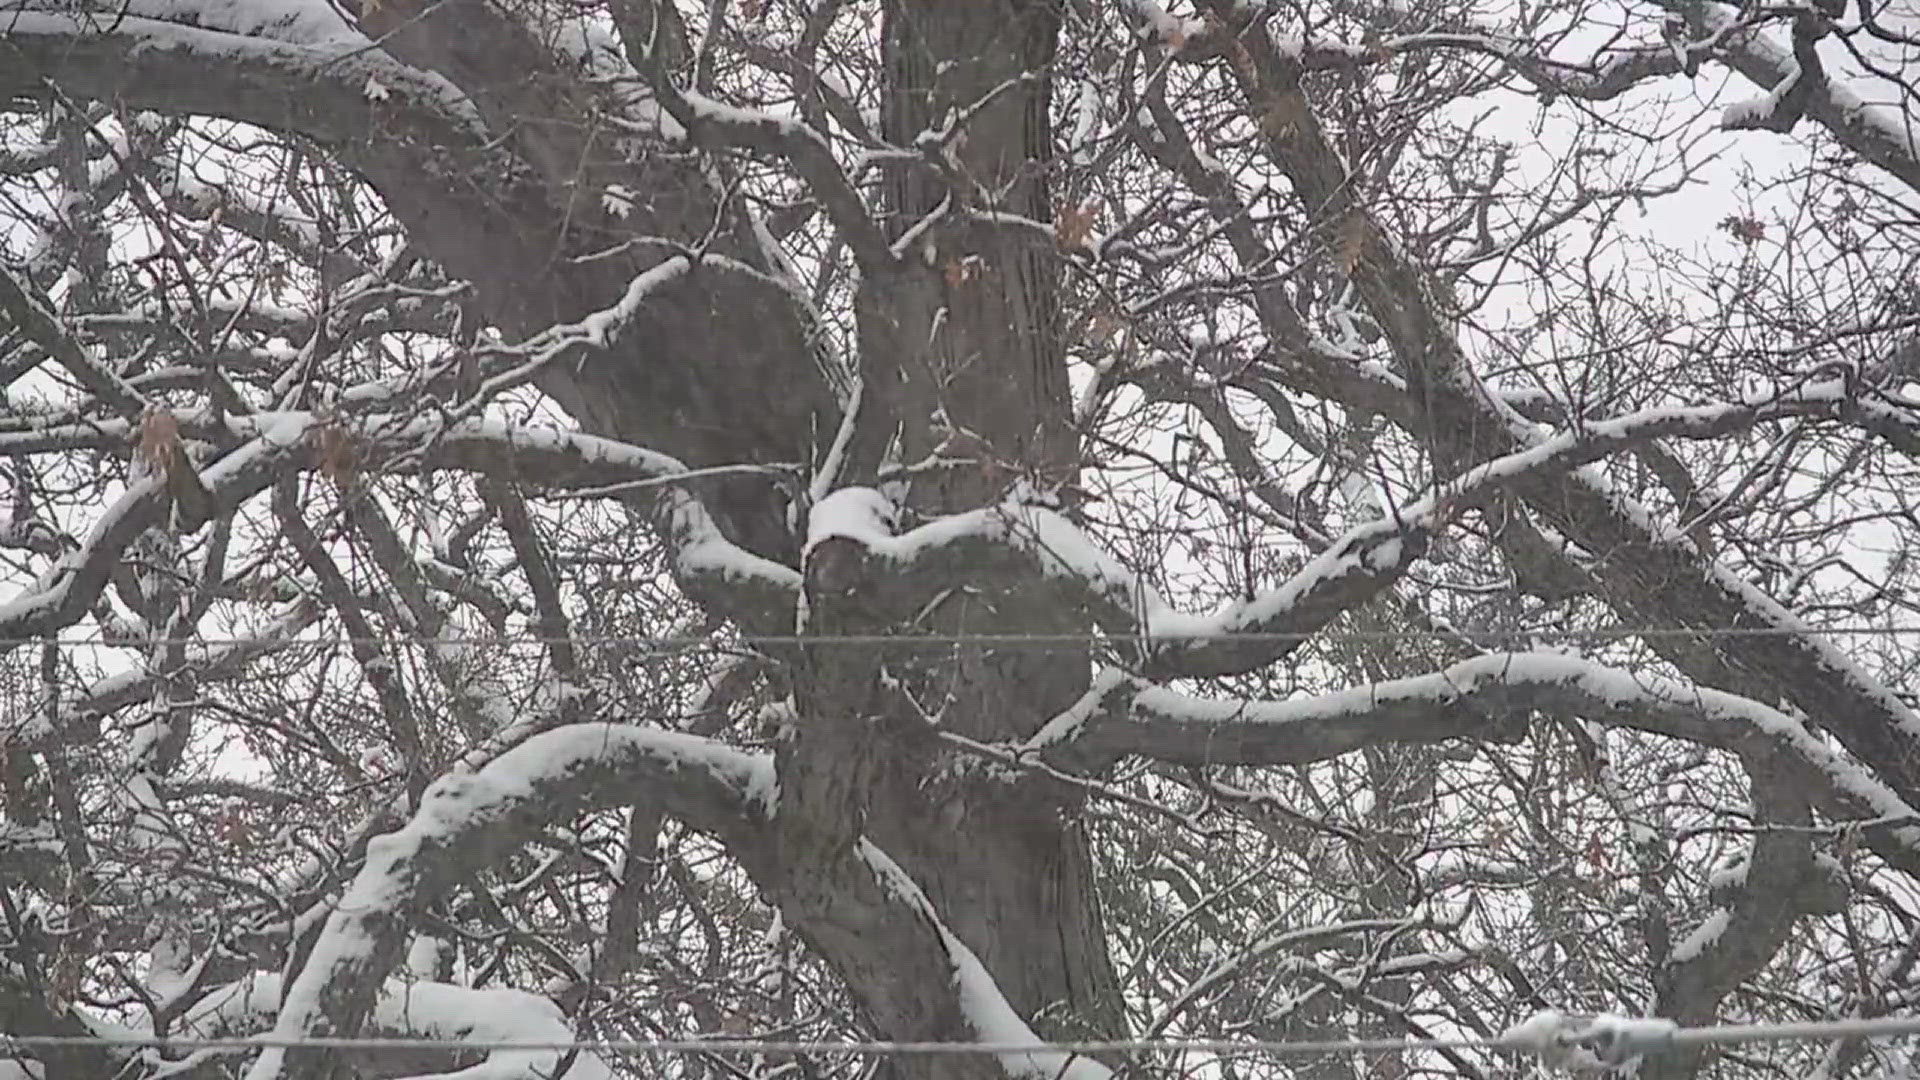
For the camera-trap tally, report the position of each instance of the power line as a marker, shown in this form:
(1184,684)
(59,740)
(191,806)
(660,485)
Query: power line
(1632,1036)
(1062,640)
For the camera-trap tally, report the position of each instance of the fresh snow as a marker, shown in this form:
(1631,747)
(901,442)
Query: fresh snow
(1641,700)
(1062,550)
(1703,937)
(1374,547)
(1755,111)
(1587,1043)
(985,1007)
(290,35)
(859,513)
(451,811)
(721,113)
(617,200)
(422,1009)
(1170,31)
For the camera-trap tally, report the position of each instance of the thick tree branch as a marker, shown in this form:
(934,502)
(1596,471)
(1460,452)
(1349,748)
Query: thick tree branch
(1016,545)
(514,205)
(936,988)
(1479,698)
(466,821)
(1780,881)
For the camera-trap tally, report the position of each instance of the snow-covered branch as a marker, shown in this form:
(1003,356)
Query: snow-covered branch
(227,62)
(466,820)
(79,720)
(1122,716)
(1652,577)
(421,1009)
(1016,538)
(709,564)
(28,310)
(716,123)
(979,1001)
(1022,541)
(1879,132)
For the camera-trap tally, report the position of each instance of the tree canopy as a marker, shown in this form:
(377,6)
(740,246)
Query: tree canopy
(955,520)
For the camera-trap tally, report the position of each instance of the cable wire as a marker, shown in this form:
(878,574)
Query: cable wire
(911,640)
(1653,1037)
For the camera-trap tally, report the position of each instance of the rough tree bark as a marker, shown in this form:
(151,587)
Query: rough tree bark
(1013,875)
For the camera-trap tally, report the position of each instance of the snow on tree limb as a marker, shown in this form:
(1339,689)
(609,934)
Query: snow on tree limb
(1316,294)
(29,311)
(708,562)
(718,123)
(312,82)
(79,719)
(67,589)
(423,1009)
(1278,935)
(1018,538)
(1650,577)
(1355,568)
(980,1001)
(1877,132)
(1122,716)
(466,820)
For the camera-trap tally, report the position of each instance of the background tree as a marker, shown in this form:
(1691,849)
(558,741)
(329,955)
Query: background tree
(640,519)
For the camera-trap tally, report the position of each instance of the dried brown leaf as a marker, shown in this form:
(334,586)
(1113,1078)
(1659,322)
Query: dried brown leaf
(1747,230)
(162,449)
(334,454)
(159,439)
(1073,225)
(1284,115)
(963,270)
(1356,232)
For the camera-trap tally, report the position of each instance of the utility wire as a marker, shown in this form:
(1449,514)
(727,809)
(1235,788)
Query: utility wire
(910,640)
(1639,1036)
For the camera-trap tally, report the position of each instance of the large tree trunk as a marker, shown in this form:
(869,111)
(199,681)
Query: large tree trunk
(1007,866)
(710,373)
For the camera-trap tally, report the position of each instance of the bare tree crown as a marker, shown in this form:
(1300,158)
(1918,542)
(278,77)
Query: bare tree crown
(955,520)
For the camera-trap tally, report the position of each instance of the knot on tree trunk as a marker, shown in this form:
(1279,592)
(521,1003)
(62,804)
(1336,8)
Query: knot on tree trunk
(837,567)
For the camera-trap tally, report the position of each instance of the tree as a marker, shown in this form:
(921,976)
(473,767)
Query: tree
(638,518)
